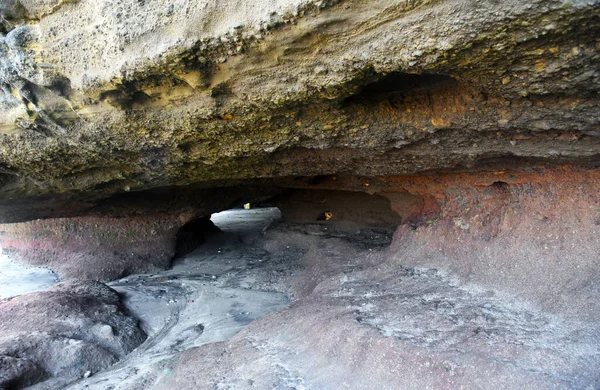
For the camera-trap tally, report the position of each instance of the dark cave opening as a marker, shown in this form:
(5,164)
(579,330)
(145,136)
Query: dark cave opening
(193,234)
(238,223)
(403,83)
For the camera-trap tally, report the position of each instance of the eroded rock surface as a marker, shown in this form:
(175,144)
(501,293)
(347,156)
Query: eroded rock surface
(128,234)
(535,234)
(57,336)
(102,97)
(472,127)
(362,320)
(184,106)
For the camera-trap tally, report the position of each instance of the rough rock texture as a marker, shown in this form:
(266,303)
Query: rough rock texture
(101,97)
(361,320)
(105,100)
(127,234)
(476,122)
(535,234)
(94,248)
(56,336)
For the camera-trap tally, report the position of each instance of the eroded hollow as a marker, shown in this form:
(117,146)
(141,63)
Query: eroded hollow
(339,208)
(236,223)
(367,220)
(193,234)
(400,84)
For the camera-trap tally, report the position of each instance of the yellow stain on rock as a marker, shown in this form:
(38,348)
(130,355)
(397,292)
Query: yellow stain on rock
(440,122)
(540,66)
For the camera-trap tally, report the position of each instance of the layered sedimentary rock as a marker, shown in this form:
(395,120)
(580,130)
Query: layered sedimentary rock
(464,135)
(535,235)
(106,104)
(100,98)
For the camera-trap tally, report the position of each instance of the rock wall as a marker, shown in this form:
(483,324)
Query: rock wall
(478,121)
(103,97)
(535,235)
(344,209)
(94,248)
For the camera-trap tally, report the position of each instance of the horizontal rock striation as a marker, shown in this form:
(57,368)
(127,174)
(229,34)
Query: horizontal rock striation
(471,129)
(94,248)
(98,98)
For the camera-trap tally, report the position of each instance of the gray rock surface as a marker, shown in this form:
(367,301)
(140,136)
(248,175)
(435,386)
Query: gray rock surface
(362,316)
(121,121)
(49,339)
(361,320)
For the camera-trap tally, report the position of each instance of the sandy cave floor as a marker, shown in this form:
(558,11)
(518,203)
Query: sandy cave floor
(280,306)
(206,297)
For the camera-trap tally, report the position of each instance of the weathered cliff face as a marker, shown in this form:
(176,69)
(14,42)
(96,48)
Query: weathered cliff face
(462,136)
(103,97)
(137,117)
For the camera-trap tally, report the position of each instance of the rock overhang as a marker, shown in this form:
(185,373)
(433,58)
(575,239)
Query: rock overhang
(288,89)
(451,139)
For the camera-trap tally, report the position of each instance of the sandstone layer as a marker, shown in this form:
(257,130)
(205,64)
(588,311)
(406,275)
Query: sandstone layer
(102,98)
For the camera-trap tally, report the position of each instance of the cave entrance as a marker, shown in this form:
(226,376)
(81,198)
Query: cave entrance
(245,220)
(193,234)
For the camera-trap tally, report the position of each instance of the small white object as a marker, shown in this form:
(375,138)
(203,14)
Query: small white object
(87,374)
